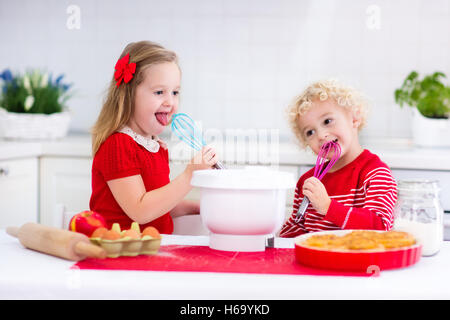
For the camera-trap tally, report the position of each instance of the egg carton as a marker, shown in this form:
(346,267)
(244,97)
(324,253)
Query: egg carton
(126,245)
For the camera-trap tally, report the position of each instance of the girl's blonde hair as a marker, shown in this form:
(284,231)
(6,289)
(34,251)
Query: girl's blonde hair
(343,95)
(118,105)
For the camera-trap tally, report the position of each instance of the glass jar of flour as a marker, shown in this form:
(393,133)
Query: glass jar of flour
(420,213)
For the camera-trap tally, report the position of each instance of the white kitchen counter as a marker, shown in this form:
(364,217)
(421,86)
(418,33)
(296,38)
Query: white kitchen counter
(70,146)
(26,274)
(397,154)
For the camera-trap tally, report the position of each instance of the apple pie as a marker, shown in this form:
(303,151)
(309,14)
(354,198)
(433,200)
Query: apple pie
(360,240)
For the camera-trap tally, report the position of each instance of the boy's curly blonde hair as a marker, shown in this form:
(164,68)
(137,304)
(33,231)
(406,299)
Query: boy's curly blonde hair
(343,95)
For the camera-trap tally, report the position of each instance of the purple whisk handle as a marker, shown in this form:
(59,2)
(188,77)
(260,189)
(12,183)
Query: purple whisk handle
(320,171)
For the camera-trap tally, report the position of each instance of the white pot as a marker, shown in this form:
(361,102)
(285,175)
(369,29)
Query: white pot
(33,126)
(427,132)
(241,207)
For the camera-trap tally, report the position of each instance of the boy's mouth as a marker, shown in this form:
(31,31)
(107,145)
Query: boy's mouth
(335,141)
(162,117)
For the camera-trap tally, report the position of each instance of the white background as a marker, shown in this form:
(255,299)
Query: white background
(242,60)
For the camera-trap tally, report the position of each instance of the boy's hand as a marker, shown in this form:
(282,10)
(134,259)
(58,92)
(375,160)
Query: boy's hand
(314,189)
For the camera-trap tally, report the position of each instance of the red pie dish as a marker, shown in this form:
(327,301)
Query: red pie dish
(364,255)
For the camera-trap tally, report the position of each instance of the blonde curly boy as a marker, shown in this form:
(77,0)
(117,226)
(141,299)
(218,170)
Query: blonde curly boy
(359,192)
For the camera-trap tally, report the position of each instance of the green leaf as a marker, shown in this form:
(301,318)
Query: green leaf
(430,95)
(412,76)
(438,74)
(397,95)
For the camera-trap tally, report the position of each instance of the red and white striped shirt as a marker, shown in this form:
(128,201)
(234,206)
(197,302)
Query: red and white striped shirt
(363,196)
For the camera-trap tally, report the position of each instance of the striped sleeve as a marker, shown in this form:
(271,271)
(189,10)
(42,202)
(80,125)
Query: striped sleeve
(377,210)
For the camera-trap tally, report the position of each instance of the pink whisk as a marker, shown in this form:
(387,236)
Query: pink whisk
(320,171)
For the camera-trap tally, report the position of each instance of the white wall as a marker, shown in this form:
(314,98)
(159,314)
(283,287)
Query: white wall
(242,60)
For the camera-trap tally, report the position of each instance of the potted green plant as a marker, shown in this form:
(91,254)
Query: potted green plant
(430,99)
(33,105)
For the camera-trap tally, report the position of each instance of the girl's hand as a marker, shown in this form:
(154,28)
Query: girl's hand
(162,144)
(186,207)
(204,159)
(314,189)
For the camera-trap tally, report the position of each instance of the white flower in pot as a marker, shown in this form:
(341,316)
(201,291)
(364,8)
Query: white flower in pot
(430,100)
(29,101)
(32,106)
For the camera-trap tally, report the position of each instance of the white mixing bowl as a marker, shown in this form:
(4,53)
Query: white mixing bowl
(241,207)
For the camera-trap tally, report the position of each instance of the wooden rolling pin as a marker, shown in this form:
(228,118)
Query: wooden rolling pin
(57,242)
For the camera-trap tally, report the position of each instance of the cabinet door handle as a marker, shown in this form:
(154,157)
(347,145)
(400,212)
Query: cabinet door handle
(4,171)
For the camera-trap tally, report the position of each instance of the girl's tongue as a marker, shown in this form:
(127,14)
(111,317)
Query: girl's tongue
(162,118)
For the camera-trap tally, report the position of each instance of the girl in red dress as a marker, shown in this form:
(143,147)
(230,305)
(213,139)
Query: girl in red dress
(130,170)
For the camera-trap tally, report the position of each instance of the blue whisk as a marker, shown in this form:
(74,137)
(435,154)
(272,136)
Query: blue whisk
(186,130)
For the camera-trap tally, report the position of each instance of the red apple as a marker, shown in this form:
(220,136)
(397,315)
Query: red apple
(86,222)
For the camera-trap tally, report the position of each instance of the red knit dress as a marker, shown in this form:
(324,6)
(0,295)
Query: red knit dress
(363,196)
(120,156)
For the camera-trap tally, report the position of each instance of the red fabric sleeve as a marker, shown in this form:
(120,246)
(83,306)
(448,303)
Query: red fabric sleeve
(377,212)
(354,218)
(117,158)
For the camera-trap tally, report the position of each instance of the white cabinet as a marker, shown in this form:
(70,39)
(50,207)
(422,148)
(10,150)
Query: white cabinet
(32,186)
(63,181)
(18,192)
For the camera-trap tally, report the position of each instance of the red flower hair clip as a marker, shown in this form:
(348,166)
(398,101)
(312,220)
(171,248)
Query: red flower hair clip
(124,70)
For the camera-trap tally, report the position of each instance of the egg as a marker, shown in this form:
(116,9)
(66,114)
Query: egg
(99,232)
(111,235)
(152,232)
(133,234)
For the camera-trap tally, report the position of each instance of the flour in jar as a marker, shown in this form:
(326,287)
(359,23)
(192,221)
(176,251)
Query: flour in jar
(430,235)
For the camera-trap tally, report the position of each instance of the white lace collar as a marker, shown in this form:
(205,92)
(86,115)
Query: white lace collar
(150,144)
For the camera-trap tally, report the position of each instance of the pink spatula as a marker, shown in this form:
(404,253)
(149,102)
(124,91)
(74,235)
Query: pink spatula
(320,170)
